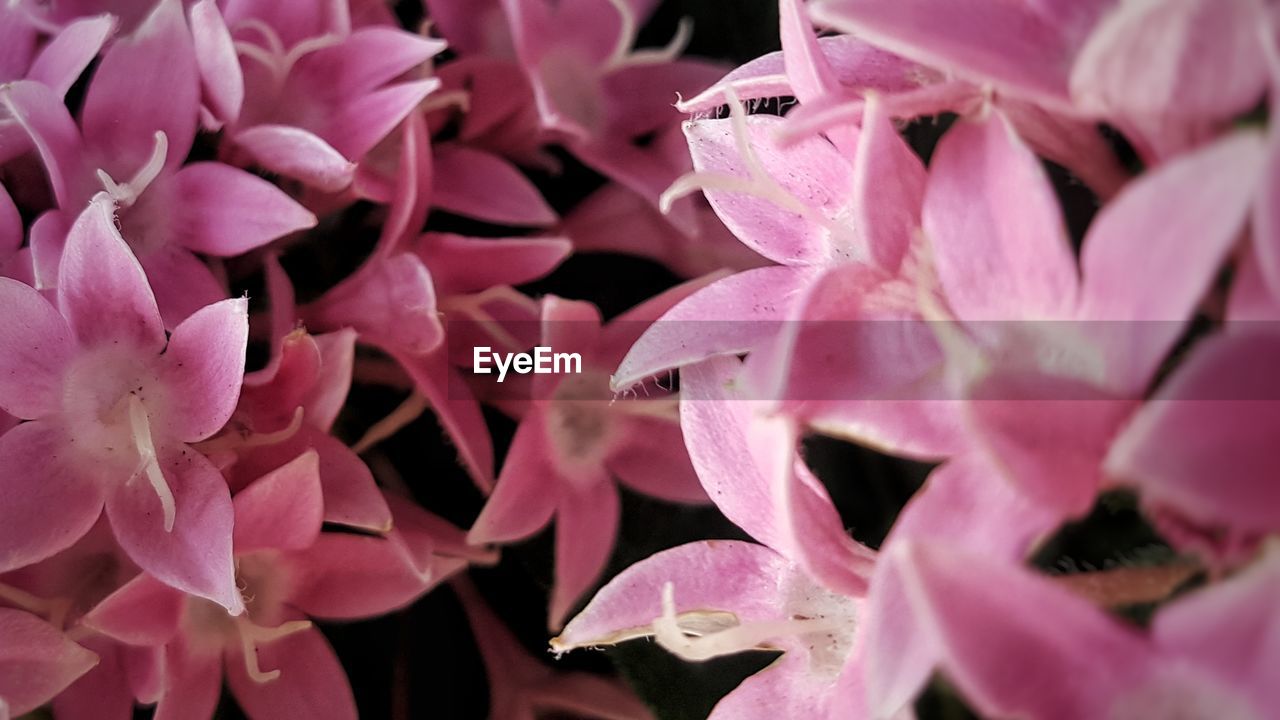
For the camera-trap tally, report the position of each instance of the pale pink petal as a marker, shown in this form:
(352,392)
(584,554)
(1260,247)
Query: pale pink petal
(66,56)
(749,466)
(747,309)
(995,230)
(793,216)
(297,153)
(1178,223)
(1021,46)
(527,489)
(888,188)
(1231,628)
(102,290)
(224,211)
(480,185)
(651,458)
(155,60)
(221,81)
(283,509)
(144,611)
(969,487)
(195,556)
(1212,66)
(1266,217)
(1251,296)
(586,527)
(786,688)
(192,682)
(1082,659)
(712,575)
(1202,444)
(47,500)
(807,69)
(312,683)
(35,347)
(1048,434)
(471,26)
(36,661)
(203,367)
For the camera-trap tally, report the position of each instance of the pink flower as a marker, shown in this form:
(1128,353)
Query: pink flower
(134,151)
(113,408)
(1037,651)
(574,442)
(275,661)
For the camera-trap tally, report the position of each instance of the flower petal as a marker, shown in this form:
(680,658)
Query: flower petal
(312,683)
(35,347)
(102,290)
(223,211)
(36,661)
(61,62)
(299,154)
(586,527)
(143,611)
(281,510)
(480,185)
(527,489)
(47,502)
(192,682)
(221,80)
(195,556)
(203,368)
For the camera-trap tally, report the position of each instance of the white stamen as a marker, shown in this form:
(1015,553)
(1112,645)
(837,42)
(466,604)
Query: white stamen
(668,53)
(148,464)
(252,635)
(691,645)
(626,35)
(128,193)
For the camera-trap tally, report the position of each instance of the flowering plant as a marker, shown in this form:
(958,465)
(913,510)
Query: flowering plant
(925,365)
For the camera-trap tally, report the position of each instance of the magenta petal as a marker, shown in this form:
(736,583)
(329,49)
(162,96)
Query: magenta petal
(457,410)
(283,509)
(35,346)
(312,683)
(66,56)
(192,682)
(221,79)
(351,496)
(1266,217)
(195,556)
(143,611)
(1179,222)
(103,693)
(155,60)
(36,661)
(1202,444)
(475,264)
(182,283)
(391,302)
(359,125)
(44,118)
(366,59)
(586,526)
(995,229)
(203,367)
(224,211)
(10,226)
(102,290)
(297,153)
(527,489)
(46,501)
(651,458)
(484,186)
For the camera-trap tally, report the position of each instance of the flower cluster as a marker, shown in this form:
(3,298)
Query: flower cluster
(182,496)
